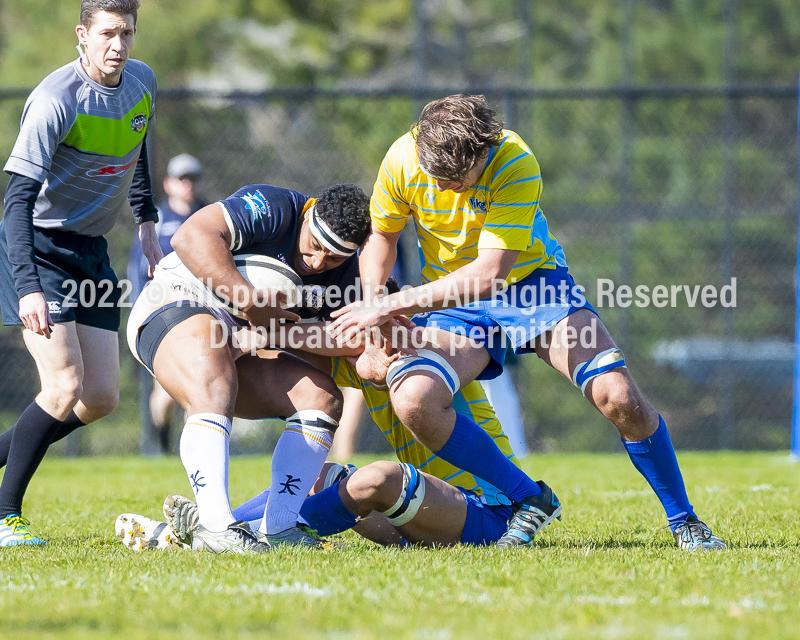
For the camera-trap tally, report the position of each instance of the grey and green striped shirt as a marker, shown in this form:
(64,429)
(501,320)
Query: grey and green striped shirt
(81,140)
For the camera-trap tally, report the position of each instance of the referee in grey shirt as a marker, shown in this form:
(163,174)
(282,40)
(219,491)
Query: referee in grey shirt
(80,154)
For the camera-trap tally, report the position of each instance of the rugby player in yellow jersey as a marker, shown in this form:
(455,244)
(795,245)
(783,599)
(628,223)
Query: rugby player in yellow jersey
(473,189)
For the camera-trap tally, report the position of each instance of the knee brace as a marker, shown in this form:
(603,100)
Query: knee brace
(600,364)
(425,360)
(410,499)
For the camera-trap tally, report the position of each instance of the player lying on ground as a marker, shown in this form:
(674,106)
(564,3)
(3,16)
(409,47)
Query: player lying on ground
(176,327)
(473,189)
(386,502)
(80,154)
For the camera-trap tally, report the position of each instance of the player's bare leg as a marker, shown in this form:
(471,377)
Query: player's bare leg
(423,401)
(59,363)
(100,355)
(276,383)
(202,378)
(614,394)
(374,489)
(423,398)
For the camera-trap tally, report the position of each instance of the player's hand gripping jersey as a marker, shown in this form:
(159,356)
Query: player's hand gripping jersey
(470,401)
(501,211)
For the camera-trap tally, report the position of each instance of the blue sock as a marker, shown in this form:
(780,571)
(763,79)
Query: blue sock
(324,511)
(472,449)
(253,509)
(655,459)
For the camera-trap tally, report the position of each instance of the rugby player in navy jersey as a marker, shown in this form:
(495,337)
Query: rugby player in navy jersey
(176,327)
(80,154)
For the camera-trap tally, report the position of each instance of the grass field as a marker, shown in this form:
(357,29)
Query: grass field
(608,570)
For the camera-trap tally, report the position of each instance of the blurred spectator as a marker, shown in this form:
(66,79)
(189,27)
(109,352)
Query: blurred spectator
(181,201)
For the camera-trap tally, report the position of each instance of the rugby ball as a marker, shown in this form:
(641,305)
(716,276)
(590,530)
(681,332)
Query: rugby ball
(264,272)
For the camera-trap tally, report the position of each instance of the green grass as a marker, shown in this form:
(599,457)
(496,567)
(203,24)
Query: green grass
(608,570)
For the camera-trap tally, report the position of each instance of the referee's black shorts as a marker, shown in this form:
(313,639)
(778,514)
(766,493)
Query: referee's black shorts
(76,275)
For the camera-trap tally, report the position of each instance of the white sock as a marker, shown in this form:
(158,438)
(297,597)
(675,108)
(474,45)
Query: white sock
(296,464)
(204,453)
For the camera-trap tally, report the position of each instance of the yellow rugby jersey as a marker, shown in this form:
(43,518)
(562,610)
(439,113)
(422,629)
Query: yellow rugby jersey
(470,401)
(501,211)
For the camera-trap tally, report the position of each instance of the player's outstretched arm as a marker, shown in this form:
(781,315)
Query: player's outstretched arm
(311,337)
(473,281)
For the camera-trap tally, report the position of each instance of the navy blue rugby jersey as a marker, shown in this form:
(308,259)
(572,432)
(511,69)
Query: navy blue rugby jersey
(266,220)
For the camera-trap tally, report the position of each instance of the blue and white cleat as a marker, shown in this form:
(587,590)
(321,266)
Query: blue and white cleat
(696,535)
(530,516)
(14,532)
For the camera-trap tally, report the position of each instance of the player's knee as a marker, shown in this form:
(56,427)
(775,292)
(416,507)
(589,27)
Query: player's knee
(616,396)
(62,392)
(323,396)
(377,485)
(101,402)
(414,399)
(215,395)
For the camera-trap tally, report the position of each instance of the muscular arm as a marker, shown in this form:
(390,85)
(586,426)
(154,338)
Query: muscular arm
(377,258)
(311,337)
(470,282)
(202,243)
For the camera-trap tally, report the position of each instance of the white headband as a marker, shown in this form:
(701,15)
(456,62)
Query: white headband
(327,237)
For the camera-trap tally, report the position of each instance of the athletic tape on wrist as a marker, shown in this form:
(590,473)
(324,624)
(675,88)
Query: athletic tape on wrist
(425,360)
(410,499)
(602,363)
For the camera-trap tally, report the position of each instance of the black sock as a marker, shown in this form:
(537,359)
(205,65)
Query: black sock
(32,435)
(68,425)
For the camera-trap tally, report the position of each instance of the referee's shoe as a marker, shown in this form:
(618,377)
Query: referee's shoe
(14,532)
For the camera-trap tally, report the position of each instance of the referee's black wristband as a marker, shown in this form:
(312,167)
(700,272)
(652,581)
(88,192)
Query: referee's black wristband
(147,216)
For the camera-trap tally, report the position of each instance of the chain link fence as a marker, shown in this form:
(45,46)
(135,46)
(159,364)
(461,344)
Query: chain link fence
(645,188)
